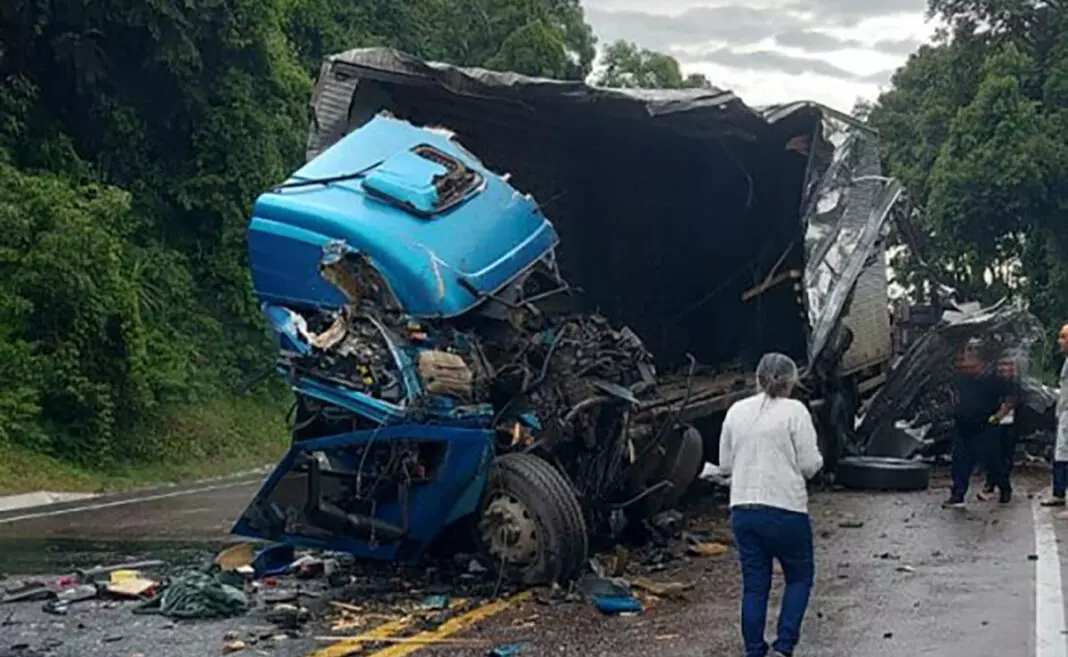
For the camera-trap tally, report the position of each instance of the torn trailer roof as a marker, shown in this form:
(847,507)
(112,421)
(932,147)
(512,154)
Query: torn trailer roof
(706,225)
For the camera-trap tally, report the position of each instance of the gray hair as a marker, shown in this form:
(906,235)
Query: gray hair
(776,374)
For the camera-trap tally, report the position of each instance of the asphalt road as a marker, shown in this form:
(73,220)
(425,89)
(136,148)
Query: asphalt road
(913,580)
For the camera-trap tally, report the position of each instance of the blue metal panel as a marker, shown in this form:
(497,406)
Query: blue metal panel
(454,492)
(488,239)
(360,403)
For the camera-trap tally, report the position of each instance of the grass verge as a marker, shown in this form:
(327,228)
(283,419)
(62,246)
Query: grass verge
(206,440)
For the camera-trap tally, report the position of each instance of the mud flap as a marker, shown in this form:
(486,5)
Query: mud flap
(310,499)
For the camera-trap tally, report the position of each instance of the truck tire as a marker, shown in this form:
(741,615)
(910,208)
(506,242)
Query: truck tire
(683,468)
(680,464)
(879,473)
(531,527)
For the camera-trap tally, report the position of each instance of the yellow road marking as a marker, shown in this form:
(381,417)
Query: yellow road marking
(383,631)
(448,628)
(422,639)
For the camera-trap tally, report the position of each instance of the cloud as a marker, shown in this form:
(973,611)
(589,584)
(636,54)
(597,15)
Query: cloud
(851,12)
(769,60)
(898,46)
(770,50)
(814,41)
(696,25)
(880,77)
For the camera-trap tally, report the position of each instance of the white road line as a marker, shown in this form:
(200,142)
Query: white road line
(1050,639)
(134,500)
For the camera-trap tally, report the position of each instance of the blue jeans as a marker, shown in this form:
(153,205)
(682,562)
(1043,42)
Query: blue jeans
(970,449)
(1060,478)
(764,533)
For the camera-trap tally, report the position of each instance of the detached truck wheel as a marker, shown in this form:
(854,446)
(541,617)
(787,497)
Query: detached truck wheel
(531,525)
(878,473)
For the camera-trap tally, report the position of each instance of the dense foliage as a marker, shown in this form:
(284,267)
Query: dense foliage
(975,126)
(134,135)
(626,65)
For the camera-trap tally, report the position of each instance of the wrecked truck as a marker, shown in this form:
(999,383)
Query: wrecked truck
(449,371)
(442,374)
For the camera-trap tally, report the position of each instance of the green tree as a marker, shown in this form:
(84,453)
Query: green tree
(974,125)
(133,140)
(626,65)
(532,50)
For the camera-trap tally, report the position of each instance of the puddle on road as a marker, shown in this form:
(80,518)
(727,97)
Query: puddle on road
(19,556)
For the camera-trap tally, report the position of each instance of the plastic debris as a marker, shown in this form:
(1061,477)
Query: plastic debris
(609,596)
(508,650)
(273,560)
(236,557)
(308,567)
(617,605)
(436,602)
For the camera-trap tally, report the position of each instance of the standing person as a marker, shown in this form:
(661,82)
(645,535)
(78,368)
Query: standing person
(983,399)
(1060,450)
(768,447)
(1010,372)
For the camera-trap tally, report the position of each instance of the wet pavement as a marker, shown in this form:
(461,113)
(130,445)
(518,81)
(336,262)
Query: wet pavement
(914,579)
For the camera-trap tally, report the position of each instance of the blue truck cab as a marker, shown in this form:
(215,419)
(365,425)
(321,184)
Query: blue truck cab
(385,455)
(440,228)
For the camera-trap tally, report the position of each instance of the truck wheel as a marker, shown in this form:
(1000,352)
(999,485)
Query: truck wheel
(531,527)
(878,473)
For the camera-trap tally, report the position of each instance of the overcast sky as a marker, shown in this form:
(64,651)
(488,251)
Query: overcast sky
(769,51)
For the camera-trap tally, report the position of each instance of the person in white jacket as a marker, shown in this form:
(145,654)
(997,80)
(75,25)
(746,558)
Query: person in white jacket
(768,447)
(1060,449)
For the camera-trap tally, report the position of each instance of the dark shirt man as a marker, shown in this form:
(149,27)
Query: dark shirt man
(982,399)
(979,397)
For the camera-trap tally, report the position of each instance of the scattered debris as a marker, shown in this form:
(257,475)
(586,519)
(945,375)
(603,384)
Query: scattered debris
(906,569)
(276,559)
(851,524)
(28,592)
(236,556)
(508,650)
(667,523)
(436,602)
(707,549)
(234,646)
(130,584)
(1032,557)
(475,568)
(662,589)
(196,594)
(288,616)
(617,604)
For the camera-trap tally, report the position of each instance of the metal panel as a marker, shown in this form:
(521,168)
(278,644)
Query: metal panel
(869,318)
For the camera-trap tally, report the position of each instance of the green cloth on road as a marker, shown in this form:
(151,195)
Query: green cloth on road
(199,595)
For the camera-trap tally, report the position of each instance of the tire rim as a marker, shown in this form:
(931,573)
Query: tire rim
(508,531)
